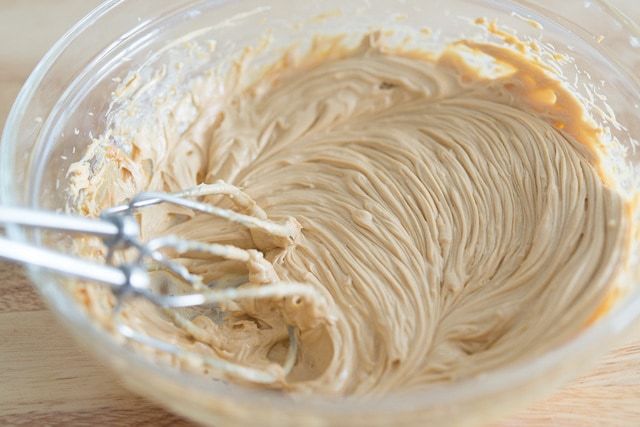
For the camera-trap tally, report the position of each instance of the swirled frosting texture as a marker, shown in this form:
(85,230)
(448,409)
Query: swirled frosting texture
(456,223)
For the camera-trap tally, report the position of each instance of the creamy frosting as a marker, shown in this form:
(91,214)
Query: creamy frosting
(451,221)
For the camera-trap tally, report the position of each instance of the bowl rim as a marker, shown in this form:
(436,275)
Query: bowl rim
(608,327)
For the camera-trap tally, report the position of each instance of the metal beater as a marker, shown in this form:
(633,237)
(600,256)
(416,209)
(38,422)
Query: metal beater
(119,231)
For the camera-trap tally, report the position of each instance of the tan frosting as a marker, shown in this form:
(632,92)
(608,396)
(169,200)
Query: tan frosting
(452,222)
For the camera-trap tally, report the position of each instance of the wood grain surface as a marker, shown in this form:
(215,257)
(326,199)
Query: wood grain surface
(45,379)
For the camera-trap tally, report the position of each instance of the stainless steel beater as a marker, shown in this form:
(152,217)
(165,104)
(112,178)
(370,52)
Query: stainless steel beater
(119,231)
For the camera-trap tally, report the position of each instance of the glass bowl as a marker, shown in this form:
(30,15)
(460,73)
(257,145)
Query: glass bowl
(66,98)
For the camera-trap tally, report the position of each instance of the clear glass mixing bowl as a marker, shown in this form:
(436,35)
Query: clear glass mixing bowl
(65,100)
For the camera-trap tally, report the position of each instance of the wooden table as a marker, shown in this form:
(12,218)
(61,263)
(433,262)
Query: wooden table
(45,379)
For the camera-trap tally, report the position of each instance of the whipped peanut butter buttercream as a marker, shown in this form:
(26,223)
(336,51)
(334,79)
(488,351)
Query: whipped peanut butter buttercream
(451,221)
